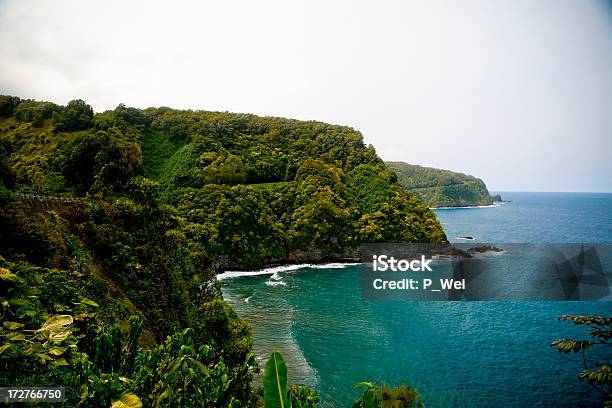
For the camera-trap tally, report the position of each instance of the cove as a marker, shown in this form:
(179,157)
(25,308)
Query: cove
(457,354)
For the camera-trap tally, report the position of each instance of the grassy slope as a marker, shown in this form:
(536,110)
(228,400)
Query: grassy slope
(164,159)
(157,149)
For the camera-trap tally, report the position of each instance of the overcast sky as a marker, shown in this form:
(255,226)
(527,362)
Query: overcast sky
(516,92)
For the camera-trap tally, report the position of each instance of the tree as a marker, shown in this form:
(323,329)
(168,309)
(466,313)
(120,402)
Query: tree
(6,175)
(8,105)
(322,216)
(35,112)
(598,374)
(102,162)
(77,115)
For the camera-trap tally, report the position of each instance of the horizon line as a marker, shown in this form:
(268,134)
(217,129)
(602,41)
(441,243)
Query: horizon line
(548,191)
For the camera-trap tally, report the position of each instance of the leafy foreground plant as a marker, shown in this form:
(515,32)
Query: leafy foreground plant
(598,374)
(276,394)
(384,396)
(116,373)
(53,333)
(275,390)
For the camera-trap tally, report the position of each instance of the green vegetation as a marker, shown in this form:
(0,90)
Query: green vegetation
(76,277)
(599,373)
(276,394)
(385,396)
(442,188)
(114,296)
(275,382)
(233,179)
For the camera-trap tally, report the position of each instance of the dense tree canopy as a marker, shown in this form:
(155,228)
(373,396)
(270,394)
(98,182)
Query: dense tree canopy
(252,188)
(76,115)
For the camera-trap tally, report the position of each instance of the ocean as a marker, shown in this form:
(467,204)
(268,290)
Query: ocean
(457,354)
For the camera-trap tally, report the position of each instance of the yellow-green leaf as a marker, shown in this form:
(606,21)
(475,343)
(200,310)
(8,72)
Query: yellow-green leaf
(13,325)
(84,392)
(89,303)
(7,276)
(127,400)
(57,321)
(16,336)
(56,351)
(60,362)
(43,357)
(56,328)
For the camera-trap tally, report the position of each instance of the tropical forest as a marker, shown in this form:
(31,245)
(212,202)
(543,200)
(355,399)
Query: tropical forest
(113,226)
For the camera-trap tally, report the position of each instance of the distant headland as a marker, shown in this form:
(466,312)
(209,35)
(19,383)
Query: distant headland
(443,188)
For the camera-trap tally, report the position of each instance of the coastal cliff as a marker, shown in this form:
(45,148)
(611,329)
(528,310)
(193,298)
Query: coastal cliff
(442,188)
(116,224)
(247,187)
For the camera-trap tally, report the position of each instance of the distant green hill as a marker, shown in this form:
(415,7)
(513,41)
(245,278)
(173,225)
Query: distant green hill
(442,188)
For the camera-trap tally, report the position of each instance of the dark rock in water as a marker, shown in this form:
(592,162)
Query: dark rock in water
(496,198)
(485,248)
(466,237)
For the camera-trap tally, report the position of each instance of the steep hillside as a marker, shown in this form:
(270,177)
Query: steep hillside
(164,198)
(441,188)
(249,188)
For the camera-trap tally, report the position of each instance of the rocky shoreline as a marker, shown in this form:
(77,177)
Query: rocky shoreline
(222,263)
(363,253)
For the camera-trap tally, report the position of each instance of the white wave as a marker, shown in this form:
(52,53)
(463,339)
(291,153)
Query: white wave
(498,204)
(285,268)
(276,276)
(276,283)
(466,238)
(336,265)
(486,254)
(247,300)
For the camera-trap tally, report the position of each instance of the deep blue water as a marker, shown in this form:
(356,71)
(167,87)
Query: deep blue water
(534,217)
(457,354)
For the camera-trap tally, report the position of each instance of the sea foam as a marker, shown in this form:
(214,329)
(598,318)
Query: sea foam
(497,204)
(284,268)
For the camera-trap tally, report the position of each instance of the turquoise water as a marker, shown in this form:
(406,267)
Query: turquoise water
(476,354)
